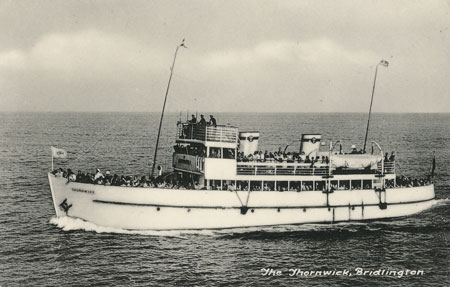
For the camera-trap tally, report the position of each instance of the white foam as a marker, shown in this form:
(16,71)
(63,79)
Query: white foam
(70,224)
(442,201)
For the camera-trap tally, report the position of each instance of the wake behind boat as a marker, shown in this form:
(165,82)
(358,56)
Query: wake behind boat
(222,180)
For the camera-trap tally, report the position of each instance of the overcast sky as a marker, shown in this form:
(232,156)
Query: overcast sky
(255,56)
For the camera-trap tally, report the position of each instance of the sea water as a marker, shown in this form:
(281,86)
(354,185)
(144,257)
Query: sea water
(37,249)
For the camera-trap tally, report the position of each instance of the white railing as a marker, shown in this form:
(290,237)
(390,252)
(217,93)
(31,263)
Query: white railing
(220,133)
(263,168)
(389,167)
(288,169)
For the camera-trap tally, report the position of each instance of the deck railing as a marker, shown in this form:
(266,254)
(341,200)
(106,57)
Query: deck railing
(220,133)
(289,169)
(389,167)
(260,168)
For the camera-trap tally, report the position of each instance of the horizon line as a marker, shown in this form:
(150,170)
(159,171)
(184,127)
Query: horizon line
(228,112)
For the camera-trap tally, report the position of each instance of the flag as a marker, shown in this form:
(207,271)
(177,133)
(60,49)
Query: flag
(384,63)
(58,152)
(182,44)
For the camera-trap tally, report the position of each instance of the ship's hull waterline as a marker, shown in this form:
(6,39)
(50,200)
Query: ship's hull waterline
(137,208)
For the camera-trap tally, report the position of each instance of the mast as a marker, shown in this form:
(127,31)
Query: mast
(386,64)
(164,107)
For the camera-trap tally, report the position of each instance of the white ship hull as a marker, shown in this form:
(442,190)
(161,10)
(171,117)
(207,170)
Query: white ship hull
(163,209)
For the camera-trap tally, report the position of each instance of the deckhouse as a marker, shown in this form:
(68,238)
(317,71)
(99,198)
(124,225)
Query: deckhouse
(209,155)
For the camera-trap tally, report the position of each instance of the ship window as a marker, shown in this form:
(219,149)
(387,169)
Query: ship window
(344,184)
(294,186)
(334,184)
(216,184)
(356,184)
(242,185)
(377,183)
(228,185)
(282,185)
(389,183)
(320,185)
(255,185)
(228,153)
(214,152)
(367,184)
(307,185)
(268,185)
(191,149)
(199,151)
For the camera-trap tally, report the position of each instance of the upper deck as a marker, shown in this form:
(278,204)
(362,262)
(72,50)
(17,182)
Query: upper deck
(304,169)
(187,132)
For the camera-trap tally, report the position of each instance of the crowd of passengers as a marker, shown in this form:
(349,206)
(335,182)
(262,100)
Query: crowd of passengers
(279,156)
(115,180)
(202,122)
(193,124)
(143,181)
(400,182)
(404,181)
(190,150)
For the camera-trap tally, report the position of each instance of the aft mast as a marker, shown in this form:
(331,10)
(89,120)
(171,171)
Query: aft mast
(164,106)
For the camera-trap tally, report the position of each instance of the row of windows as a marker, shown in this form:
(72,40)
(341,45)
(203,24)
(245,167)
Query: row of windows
(217,152)
(289,185)
(200,150)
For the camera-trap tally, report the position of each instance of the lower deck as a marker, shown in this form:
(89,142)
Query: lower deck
(165,208)
(309,184)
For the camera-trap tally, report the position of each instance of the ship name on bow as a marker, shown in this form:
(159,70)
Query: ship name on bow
(83,190)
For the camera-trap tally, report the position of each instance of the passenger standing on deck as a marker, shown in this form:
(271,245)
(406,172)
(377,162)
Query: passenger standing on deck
(193,120)
(212,121)
(70,175)
(98,175)
(202,120)
(99,178)
(392,157)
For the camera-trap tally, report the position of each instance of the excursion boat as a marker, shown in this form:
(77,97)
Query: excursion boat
(235,193)
(227,187)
